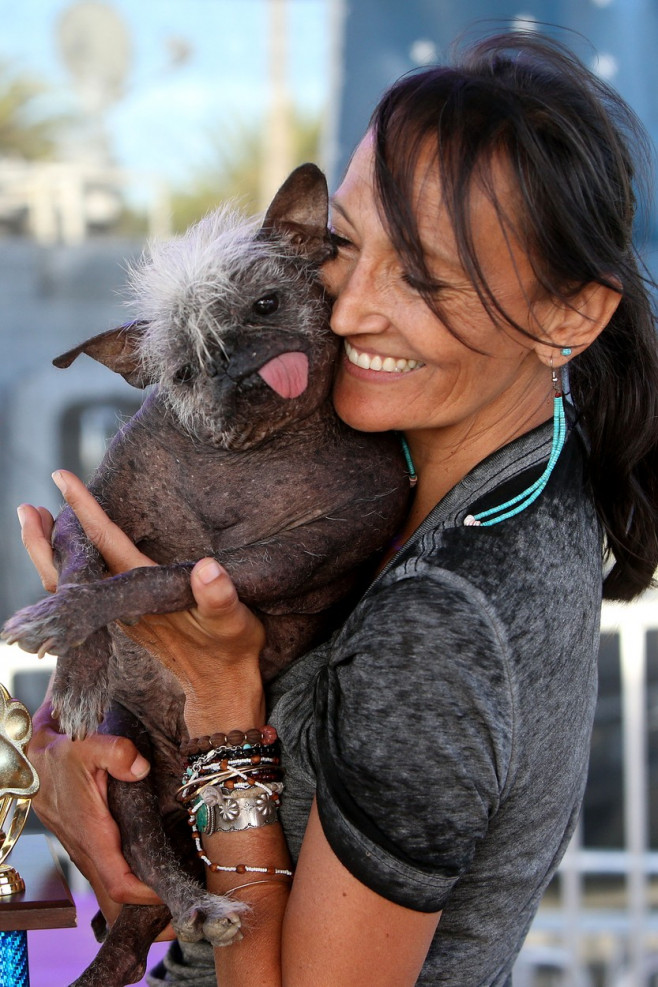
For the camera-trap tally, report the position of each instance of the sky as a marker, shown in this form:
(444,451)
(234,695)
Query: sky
(164,119)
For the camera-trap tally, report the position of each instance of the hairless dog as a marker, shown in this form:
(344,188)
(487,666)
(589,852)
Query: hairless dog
(236,453)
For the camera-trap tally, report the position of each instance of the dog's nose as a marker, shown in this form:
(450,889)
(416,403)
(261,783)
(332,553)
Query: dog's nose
(218,364)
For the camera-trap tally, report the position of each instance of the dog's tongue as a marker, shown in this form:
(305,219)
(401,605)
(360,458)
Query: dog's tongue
(287,374)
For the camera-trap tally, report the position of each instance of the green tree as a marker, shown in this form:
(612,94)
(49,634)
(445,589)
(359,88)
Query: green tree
(24,131)
(234,168)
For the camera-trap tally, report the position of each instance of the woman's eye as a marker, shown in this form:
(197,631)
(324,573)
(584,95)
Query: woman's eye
(267,305)
(338,240)
(421,286)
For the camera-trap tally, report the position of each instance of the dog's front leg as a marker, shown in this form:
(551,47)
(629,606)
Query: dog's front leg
(63,622)
(80,688)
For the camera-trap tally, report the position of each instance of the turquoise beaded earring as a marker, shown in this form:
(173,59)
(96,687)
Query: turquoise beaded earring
(519,503)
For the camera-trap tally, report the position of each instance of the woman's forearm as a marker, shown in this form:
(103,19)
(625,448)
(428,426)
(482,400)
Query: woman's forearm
(245,856)
(256,958)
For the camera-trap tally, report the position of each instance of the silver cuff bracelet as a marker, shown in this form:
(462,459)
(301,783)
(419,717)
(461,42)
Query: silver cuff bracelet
(232,815)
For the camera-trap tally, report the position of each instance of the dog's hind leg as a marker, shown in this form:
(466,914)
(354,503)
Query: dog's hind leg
(122,958)
(165,860)
(195,913)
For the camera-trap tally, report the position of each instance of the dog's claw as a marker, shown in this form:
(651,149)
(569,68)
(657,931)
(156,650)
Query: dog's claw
(45,647)
(223,932)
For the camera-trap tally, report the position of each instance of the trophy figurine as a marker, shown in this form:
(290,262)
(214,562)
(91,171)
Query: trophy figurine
(18,783)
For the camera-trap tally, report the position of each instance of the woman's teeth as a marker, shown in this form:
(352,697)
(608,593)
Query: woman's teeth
(389,364)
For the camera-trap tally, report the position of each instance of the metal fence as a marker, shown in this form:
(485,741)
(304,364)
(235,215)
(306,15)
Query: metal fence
(598,926)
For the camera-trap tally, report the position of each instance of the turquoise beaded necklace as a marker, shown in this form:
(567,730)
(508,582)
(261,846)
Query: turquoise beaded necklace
(413,476)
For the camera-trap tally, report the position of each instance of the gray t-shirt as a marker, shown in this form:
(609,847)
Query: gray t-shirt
(445,727)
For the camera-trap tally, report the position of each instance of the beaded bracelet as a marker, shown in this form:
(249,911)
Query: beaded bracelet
(223,762)
(238,868)
(231,781)
(226,779)
(231,754)
(236,738)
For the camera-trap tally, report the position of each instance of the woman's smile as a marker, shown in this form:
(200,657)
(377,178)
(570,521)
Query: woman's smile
(380,364)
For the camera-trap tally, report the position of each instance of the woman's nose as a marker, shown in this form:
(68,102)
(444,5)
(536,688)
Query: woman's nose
(358,305)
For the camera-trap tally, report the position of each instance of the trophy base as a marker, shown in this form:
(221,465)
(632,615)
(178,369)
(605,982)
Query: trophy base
(11,881)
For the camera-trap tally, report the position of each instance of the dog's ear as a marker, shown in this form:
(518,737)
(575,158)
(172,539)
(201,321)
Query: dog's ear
(299,212)
(117,349)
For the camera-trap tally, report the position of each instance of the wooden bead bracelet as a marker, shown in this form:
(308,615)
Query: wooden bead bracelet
(236,738)
(238,868)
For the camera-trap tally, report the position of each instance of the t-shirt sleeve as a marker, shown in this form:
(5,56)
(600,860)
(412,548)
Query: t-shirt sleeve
(411,733)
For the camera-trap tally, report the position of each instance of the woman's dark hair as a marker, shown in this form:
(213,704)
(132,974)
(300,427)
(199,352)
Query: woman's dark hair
(568,138)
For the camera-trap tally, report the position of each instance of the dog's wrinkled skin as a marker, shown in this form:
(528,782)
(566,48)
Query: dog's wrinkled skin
(236,453)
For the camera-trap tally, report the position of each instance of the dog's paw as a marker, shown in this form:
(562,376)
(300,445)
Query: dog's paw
(79,701)
(79,713)
(213,918)
(224,931)
(56,624)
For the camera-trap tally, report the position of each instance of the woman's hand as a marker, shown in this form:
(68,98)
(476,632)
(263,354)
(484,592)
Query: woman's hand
(72,803)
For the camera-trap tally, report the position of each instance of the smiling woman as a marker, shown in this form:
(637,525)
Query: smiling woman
(475,387)
(436,746)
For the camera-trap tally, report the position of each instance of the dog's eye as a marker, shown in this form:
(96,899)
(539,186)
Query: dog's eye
(267,305)
(184,374)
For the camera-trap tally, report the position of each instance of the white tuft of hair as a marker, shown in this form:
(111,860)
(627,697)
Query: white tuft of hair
(176,281)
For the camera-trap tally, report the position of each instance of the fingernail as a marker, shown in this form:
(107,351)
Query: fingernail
(209,571)
(140,767)
(21,515)
(59,481)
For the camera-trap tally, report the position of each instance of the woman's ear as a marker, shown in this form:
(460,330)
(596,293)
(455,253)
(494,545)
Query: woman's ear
(575,326)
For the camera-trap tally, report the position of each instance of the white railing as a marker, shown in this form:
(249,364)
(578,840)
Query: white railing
(60,201)
(13,660)
(574,935)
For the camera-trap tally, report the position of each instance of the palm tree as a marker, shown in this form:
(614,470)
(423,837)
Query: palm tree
(23,133)
(234,169)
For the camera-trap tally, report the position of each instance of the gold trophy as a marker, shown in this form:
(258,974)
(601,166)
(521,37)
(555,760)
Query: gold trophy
(18,783)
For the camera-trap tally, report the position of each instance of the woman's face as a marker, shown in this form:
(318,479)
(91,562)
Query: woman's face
(402,368)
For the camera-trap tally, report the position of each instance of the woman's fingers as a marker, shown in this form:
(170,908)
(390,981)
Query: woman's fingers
(36,528)
(201,644)
(116,547)
(72,803)
(221,614)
